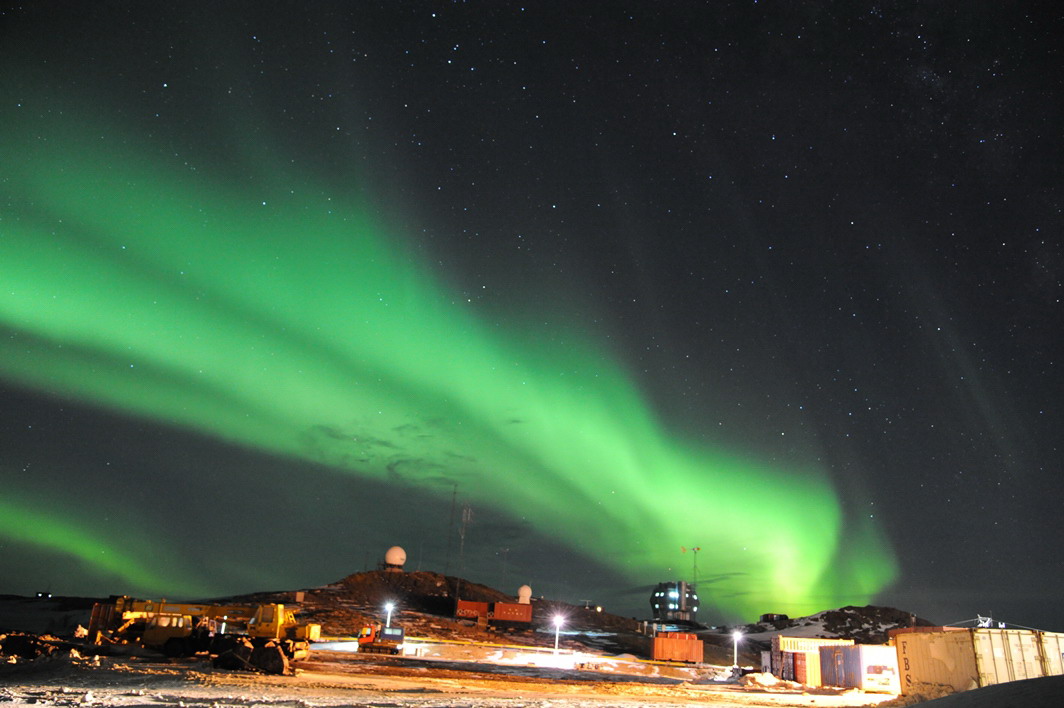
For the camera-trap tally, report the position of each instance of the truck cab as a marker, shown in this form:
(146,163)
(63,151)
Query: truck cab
(381,640)
(161,628)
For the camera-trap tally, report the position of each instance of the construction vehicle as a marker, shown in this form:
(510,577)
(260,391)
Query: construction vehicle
(263,637)
(376,639)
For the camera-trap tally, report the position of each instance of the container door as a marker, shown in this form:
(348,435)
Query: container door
(1026,654)
(1007,655)
(991,658)
(1052,645)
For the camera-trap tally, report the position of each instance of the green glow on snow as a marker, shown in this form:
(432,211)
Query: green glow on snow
(294,323)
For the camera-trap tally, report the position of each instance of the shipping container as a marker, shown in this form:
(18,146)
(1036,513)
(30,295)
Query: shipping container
(495,611)
(1003,655)
(932,660)
(869,667)
(785,667)
(677,646)
(471,610)
(807,668)
(973,658)
(511,612)
(782,644)
(1052,654)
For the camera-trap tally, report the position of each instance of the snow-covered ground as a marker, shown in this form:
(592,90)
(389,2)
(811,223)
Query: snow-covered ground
(343,679)
(546,663)
(1047,692)
(456,673)
(497,678)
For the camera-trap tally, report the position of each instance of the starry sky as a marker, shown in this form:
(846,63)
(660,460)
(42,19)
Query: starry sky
(544,293)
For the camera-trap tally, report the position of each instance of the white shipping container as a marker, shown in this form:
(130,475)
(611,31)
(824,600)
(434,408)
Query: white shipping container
(962,659)
(932,660)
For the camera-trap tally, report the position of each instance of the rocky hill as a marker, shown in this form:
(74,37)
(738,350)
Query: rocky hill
(865,625)
(424,603)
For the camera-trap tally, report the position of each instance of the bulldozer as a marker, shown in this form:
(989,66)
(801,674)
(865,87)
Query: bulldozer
(263,637)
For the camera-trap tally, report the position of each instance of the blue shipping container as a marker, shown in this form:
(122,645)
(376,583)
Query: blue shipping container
(869,667)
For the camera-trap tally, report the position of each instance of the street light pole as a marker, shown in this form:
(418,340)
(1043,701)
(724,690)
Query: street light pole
(558,621)
(389,607)
(736,636)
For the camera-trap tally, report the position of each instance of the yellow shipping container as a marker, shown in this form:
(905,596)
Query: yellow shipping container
(1003,655)
(1053,653)
(807,668)
(781,643)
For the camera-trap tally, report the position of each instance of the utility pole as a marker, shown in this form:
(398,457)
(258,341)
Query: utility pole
(450,531)
(694,570)
(467,516)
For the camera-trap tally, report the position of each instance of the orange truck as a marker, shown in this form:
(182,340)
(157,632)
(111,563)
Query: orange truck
(375,639)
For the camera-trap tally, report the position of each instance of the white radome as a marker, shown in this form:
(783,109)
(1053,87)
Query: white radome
(524,595)
(395,556)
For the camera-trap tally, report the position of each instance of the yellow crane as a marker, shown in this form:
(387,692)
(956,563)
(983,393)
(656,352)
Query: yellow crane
(263,637)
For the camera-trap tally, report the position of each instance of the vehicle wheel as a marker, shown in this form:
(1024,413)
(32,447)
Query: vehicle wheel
(237,656)
(270,659)
(175,647)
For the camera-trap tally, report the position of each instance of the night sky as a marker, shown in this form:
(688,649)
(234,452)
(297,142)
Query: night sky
(544,293)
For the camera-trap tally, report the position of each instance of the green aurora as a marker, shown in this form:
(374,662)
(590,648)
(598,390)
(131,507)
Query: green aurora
(293,322)
(116,554)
